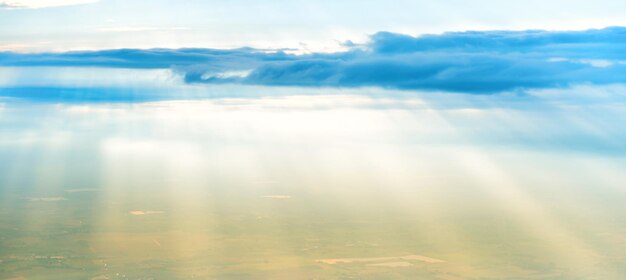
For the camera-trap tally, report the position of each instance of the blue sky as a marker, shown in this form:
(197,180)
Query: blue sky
(476,62)
(482,47)
(41,25)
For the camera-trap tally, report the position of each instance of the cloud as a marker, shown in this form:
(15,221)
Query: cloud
(471,62)
(137,29)
(37,4)
(10,5)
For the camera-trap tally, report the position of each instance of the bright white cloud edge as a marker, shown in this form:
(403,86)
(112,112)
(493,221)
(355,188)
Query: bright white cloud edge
(37,4)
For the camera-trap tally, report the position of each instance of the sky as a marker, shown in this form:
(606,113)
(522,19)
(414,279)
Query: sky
(482,47)
(473,62)
(512,100)
(309,26)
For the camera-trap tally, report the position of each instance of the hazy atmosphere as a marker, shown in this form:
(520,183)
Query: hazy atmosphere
(312,139)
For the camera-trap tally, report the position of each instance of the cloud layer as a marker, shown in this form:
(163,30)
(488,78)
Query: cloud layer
(470,62)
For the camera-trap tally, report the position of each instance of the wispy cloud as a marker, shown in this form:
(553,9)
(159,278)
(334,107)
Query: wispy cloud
(471,62)
(37,4)
(13,47)
(22,47)
(137,29)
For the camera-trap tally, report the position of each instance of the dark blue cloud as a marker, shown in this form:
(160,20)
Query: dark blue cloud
(603,43)
(150,59)
(472,62)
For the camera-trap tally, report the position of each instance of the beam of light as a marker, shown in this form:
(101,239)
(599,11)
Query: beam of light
(285,180)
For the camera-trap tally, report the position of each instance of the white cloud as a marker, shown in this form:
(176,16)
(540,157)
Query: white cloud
(126,29)
(13,47)
(86,77)
(37,4)
(137,29)
(226,75)
(598,63)
(19,47)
